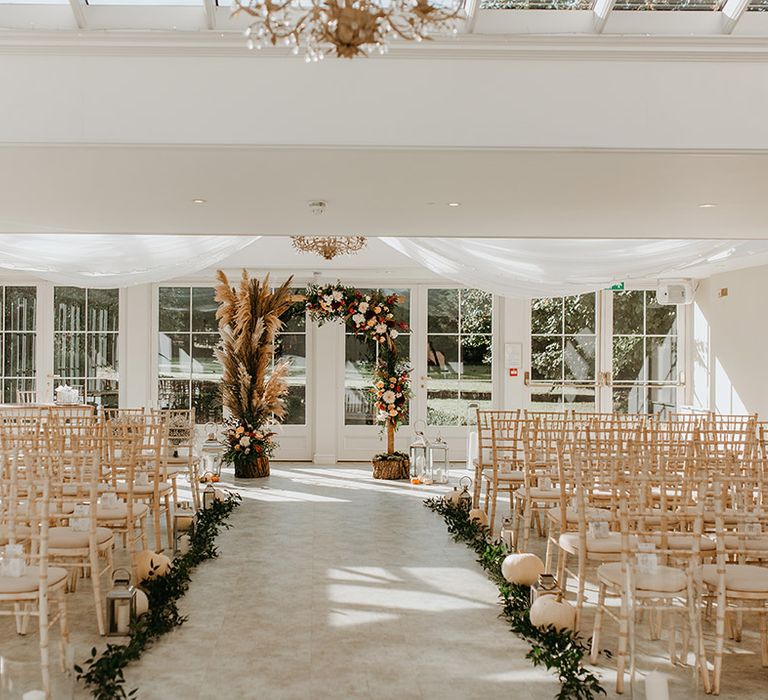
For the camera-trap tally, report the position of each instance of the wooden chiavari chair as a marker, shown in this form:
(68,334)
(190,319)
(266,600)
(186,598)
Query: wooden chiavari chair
(505,473)
(25,503)
(484,459)
(181,458)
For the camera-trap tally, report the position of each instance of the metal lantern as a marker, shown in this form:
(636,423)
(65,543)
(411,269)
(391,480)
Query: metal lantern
(183,523)
(121,604)
(212,451)
(438,461)
(472,436)
(546,585)
(209,496)
(507,534)
(418,453)
(465,497)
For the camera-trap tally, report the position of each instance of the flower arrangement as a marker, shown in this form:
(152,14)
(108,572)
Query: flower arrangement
(391,391)
(368,315)
(244,443)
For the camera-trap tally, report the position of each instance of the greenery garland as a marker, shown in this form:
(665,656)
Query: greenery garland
(103,674)
(558,650)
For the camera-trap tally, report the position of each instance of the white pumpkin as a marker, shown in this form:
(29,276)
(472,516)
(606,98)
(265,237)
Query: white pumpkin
(220,494)
(142,602)
(184,522)
(149,565)
(522,568)
(479,515)
(548,610)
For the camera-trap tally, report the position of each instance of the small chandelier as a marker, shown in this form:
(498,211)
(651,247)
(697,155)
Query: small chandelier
(347,28)
(329,246)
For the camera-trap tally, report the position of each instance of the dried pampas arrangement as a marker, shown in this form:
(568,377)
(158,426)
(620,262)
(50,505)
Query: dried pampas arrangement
(249,319)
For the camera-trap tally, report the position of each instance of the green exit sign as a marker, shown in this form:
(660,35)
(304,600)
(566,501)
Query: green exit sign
(618,287)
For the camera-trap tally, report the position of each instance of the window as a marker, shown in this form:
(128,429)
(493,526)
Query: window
(459,353)
(644,353)
(85,342)
(18,339)
(188,372)
(563,353)
(291,345)
(360,358)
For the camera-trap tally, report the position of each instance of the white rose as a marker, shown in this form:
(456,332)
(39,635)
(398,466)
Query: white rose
(388,397)
(359,319)
(245,441)
(381,328)
(328,298)
(363,307)
(393,334)
(337,295)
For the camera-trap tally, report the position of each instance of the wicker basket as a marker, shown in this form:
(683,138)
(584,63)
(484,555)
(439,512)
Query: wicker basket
(392,469)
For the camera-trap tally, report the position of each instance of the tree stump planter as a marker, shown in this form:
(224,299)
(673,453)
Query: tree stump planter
(252,469)
(391,467)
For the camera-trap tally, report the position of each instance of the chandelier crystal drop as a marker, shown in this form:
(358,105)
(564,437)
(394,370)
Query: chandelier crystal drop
(347,28)
(329,247)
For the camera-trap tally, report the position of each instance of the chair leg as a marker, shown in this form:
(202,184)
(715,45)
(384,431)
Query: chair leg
(96,584)
(168,522)
(621,656)
(492,515)
(156,516)
(597,628)
(580,585)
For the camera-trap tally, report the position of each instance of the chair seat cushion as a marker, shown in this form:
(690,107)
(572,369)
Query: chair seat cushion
(537,493)
(22,533)
(514,475)
(569,541)
(67,538)
(685,542)
(75,489)
(143,489)
(120,511)
(664,580)
(30,581)
(741,578)
(572,514)
(758,544)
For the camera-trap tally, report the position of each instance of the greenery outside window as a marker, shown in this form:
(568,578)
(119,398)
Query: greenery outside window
(459,353)
(85,342)
(18,341)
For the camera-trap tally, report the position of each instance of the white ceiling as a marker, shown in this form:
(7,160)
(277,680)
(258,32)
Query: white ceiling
(391,192)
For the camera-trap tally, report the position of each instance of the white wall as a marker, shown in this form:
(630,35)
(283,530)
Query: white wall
(730,335)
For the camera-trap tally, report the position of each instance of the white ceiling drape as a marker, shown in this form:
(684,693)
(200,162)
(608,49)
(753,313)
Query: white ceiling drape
(547,267)
(112,260)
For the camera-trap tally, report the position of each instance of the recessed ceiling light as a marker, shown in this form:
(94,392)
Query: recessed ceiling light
(454,204)
(707,205)
(199,201)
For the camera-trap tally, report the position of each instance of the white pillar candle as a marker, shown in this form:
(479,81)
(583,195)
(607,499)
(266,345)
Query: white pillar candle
(656,686)
(184,543)
(123,618)
(33,695)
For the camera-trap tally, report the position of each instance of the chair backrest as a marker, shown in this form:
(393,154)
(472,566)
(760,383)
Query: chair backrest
(505,443)
(484,442)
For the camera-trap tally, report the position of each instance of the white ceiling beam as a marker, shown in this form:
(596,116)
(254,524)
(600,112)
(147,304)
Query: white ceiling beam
(78,10)
(732,13)
(600,13)
(471,7)
(210,13)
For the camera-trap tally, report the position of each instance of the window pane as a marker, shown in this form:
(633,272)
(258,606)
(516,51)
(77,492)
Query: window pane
(546,316)
(360,357)
(546,357)
(629,400)
(103,392)
(476,311)
(103,309)
(69,354)
(660,319)
(628,359)
(19,355)
(547,400)
(204,309)
(476,357)
(173,393)
(102,355)
(292,347)
(203,359)
(661,358)
(296,318)
(11,387)
(442,356)
(20,303)
(295,405)
(69,308)
(628,312)
(662,400)
(580,314)
(173,357)
(443,311)
(443,406)
(206,400)
(579,399)
(174,309)
(403,308)
(579,357)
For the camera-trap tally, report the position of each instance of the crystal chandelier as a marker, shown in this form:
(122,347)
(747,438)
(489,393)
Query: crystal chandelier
(347,28)
(329,246)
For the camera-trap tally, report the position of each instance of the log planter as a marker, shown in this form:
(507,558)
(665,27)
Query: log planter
(252,468)
(392,467)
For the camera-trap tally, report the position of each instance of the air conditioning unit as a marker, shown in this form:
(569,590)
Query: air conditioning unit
(673,293)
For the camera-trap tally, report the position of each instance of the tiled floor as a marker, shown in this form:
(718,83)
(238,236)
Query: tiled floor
(332,585)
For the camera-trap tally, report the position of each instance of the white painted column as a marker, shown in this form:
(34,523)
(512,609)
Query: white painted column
(326,407)
(136,343)
(513,327)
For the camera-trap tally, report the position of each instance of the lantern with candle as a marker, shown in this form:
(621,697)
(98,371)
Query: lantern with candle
(438,461)
(212,452)
(121,604)
(418,453)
